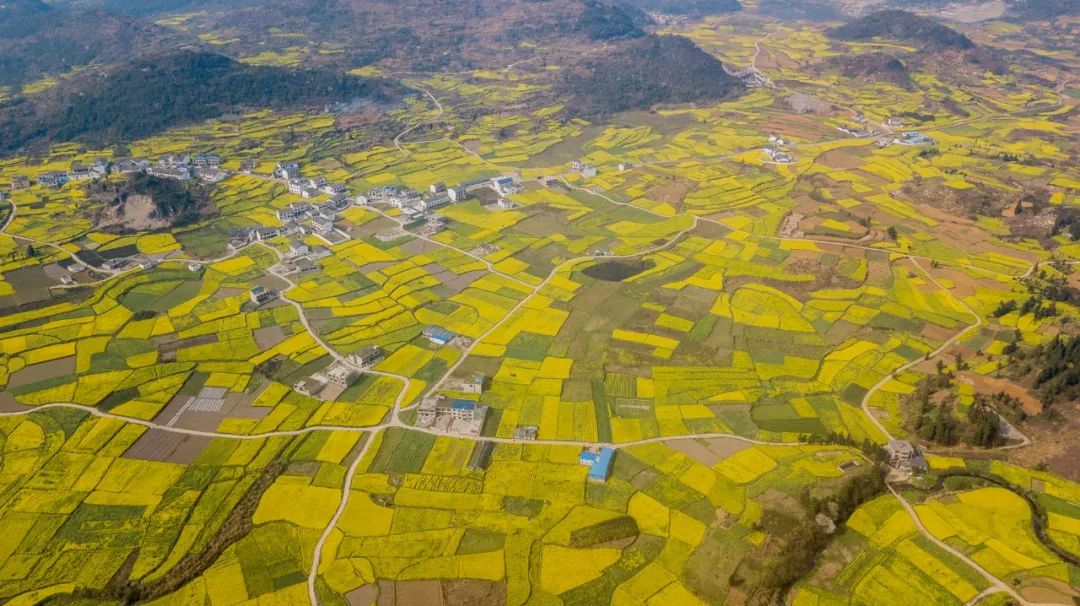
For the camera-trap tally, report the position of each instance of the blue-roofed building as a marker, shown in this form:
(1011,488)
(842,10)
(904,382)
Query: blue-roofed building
(438,336)
(463,410)
(601,469)
(503,185)
(598,461)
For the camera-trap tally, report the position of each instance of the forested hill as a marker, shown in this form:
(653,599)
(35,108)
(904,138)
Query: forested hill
(37,40)
(903,26)
(154,94)
(639,74)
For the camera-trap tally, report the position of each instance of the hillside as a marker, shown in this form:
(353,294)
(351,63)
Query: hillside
(902,26)
(37,40)
(873,66)
(154,94)
(147,8)
(646,72)
(690,8)
(415,35)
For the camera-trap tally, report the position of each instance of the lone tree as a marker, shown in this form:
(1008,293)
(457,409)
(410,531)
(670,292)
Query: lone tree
(892,232)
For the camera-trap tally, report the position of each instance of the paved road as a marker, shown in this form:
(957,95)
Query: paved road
(997,584)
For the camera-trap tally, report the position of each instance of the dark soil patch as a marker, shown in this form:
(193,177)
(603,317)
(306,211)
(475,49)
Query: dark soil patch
(617,271)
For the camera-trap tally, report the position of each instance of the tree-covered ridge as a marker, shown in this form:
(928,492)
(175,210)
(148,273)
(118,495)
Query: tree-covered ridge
(904,26)
(157,93)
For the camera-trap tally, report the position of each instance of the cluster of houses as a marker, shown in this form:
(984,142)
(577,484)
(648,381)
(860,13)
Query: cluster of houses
(751,76)
(586,170)
(300,219)
(460,416)
(313,187)
(776,151)
(857,132)
(910,137)
(416,206)
(329,383)
(182,167)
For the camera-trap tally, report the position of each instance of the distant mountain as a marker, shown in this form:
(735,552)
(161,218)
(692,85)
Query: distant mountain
(15,9)
(905,27)
(653,70)
(691,8)
(812,10)
(414,35)
(153,94)
(37,40)
(1037,10)
(148,8)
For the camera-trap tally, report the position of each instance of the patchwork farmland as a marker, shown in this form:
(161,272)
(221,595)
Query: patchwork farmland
(509,356)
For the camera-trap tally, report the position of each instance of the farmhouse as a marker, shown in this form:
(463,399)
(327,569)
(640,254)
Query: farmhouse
(298,249)
(52,179)
(174,161)
(457,194)
(292,211)
(367,356)
(210,174)
(169,171)
(904,455)
(130,165)
(462,417)
(322,226)
(434,203)
(473,385)
(80,172)
(584,169)
(503,185)
(307,386)
(206,160)
(287,171)
(526,432)
(260,295)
